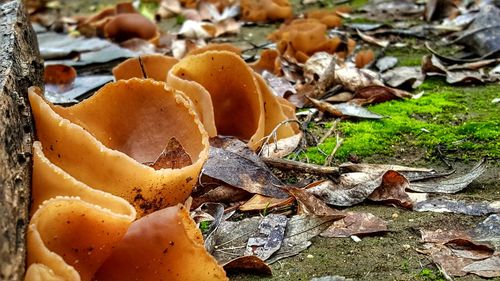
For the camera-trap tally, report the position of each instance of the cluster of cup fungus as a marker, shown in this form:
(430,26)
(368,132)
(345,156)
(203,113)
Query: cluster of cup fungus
(101,210)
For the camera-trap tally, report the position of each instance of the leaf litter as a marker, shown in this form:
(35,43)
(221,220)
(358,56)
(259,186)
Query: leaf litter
(328,79)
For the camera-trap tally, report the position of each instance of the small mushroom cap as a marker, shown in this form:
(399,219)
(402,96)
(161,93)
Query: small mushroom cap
(164,245)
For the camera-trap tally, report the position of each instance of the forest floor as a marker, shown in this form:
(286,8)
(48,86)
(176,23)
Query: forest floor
(457,123)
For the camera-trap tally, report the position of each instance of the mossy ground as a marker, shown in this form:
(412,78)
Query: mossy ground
(461,120)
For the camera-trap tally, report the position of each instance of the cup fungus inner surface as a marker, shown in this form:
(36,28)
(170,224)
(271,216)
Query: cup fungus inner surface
(232,87)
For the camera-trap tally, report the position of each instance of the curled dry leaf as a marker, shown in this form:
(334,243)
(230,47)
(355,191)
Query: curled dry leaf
(392,190)
(462,252)
(96,131)
(373,40)
(378,94)
(403,76)
(452,184)
(345,109)
(309,204)
(356,224)
(352,78)
(282,147)
(353,188)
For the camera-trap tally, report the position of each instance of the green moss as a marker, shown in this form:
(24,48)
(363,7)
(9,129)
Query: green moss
(461,120)
(407,56)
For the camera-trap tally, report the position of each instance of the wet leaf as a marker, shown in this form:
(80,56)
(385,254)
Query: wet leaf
(173,156)
(452,184)
(345,109)
(356,224)
(243,169)
(403,76)
(457,207)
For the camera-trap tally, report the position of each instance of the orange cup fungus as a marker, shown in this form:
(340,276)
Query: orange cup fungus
(328,17)
(242,103)
(301,38)
(228,96)
(104,140)
(264,10)
(89,185)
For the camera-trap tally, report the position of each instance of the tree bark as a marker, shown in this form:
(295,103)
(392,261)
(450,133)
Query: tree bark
(20,68)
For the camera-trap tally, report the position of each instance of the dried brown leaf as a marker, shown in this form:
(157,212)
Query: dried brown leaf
(356,224)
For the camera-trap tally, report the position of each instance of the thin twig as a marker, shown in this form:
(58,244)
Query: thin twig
(285,164)
(330,131)
(142,68)
(338,143)
(274,133)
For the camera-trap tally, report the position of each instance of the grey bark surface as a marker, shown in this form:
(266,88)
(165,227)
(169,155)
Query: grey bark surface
(20,68)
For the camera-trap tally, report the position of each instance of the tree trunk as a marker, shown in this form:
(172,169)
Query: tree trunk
(20,68)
